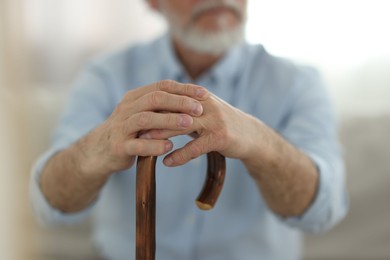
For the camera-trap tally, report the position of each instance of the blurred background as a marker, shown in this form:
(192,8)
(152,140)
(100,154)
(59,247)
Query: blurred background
(44,44)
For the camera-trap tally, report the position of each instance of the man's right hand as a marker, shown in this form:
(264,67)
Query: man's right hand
(165,105)
(72,179)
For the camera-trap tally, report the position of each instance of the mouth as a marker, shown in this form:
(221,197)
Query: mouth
(219,10)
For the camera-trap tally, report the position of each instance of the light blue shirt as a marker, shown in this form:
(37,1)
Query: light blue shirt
(287,97)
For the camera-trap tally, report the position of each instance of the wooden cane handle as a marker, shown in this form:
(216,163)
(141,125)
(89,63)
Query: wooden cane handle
(146,199)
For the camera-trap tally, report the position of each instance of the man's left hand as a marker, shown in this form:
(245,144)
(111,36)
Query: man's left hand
(222,128)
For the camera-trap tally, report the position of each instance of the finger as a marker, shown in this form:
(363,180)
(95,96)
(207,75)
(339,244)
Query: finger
(151,120)
(162,101)
(143,147)
(193,131)
(190,151)
(163,134)
(170,86)
(189,90)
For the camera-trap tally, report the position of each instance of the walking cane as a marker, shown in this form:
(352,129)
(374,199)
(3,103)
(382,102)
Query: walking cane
(146,199)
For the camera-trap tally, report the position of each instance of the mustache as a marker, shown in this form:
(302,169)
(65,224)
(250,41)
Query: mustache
(212,4)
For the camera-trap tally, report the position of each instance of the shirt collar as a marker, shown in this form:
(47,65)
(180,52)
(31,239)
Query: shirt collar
(225,70)
(228,68)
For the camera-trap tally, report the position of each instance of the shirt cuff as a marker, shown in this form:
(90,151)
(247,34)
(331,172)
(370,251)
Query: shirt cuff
(46,214)
(317,215)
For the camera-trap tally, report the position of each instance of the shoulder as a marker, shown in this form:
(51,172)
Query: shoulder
(279,66)
(279,72)
(128,67)
(128,58)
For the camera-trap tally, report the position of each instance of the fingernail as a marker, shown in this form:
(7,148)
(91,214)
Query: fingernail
(200,92)
(185,121)
(197,109)
(168,146)
(168,161)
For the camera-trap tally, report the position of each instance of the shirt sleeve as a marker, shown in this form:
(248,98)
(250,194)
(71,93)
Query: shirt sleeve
(89,104)
(311,126)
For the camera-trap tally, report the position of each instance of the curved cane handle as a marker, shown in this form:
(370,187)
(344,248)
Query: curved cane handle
(212,187)
(146,199)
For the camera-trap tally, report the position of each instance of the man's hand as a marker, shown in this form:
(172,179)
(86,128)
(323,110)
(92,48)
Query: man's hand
(222,128)
(286,177)
(72,179)
(113,146)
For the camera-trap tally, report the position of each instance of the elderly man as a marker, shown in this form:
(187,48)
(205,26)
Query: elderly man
(272,119)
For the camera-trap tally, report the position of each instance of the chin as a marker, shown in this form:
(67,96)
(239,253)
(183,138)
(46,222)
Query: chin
(211,41)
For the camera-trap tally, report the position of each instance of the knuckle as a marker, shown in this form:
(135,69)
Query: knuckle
(137,147)
(188,88)
(172,120)
(155,98)
(143,119)
(185,102)
(195,149)
(180,157)
(203,89)
(121,108)
(165,85)
(196,90)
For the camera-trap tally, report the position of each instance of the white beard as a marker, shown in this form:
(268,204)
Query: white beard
(207,42)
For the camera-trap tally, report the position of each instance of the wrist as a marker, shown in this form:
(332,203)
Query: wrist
(261,152)
(88,159)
